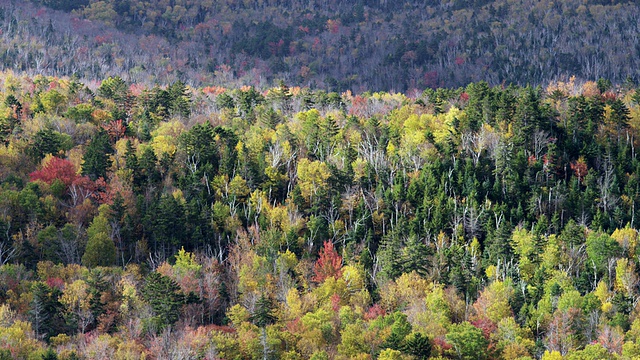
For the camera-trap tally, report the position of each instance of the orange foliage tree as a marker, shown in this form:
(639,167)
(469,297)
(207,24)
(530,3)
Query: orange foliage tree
(329,264)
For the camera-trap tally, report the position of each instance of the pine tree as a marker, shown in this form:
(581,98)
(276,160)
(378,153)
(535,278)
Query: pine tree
(263,316)
(46,311)
(180,99)
(50,355)
(417,345)
(415,256)
(96,158)
(165,297)
(39,310)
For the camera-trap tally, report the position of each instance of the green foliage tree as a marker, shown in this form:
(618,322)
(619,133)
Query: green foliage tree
(200,149)
(166,300)
(399,331)
(417,345)
(46,311)
(180,99)
(262,317)
(95,161)
(113,88)
(467,341)
(601,248)
(100,249)
(48,141)
(50,354)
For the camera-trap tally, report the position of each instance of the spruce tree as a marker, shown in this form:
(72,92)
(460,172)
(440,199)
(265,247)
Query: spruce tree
(262,317)
(96,158)
(165,297)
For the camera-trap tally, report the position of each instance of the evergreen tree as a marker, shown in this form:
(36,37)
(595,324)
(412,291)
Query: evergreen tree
(96,160)
(168,223)
(148,168)
(131,163)
(48,141)
(46,311)
(166,299)
(263,316)
(418,346)
(180,99)
(100,251)
(50,355)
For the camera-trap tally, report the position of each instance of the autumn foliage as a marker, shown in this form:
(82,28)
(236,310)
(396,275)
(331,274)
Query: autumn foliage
(55,168)
(329,263)
(477,223)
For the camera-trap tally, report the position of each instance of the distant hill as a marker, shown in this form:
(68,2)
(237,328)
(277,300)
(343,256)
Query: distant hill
(372,45)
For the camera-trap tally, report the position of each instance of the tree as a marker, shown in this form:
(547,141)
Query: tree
(113,88)
(48,141)
(390,354)
(100,251)
(50,354)
(562,335)
(77,300)
(312,178)
(263,316)
(200,149)
(168,223)
(417,345)
(328,265)
(602,251)
(493,302)
(225,101)
(55,168)
(40,309)
(180,99)
(95,161)
(415,256)
(166,300)
(468,341)
(46,311)
(527,246)
(399,331)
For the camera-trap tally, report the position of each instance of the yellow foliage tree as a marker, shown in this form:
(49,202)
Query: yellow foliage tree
(627,237)
(312,177)
(551,355)
(165,138)
(524,244)
(77,301)
(493,302)
(626,278)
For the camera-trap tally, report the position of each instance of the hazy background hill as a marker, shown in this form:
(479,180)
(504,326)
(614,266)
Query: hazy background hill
(372,45)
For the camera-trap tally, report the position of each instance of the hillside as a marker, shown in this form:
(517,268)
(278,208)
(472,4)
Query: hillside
(219,223)
(274,179)
(374,45)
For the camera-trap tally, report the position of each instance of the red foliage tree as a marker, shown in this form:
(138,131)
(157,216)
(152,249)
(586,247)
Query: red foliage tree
(328,265)
(579,168)
(81,189)
(56,169)
(374,312)
(116,130)
(487,326)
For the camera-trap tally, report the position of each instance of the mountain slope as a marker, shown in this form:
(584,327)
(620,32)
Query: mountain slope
(374,45)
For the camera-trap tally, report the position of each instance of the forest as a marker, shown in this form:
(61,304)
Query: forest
(284,179)
(180,222)
(360,45)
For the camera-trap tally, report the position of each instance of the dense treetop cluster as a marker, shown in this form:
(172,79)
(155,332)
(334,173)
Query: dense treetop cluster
(290,223)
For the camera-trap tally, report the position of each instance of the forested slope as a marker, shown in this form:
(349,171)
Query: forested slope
(332,45)
(182,222)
